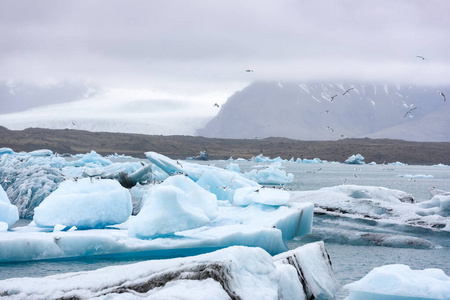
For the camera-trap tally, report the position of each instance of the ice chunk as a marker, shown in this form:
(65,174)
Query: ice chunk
(271,175)
(194,195)
(232,273)
(6,151)
(91,159)
(166,211)
(400,282)
(314,270)
(8,212)
(220,182)
(85,204)
(357,159)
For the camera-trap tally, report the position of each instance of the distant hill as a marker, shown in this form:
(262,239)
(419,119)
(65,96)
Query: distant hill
(180,147)
(320,111)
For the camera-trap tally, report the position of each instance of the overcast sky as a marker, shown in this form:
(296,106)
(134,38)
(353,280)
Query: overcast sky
(191,47)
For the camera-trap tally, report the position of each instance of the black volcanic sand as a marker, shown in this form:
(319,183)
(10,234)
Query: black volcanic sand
(179,147)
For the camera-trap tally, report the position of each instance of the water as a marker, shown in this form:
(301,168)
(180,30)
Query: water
(350,263)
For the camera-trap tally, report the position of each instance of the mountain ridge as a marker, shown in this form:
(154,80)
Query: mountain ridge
(180,147)
(323,111)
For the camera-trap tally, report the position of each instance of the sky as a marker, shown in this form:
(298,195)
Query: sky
(199,50)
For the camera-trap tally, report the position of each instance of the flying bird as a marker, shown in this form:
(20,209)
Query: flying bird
(443,96)
(422,58)
(216,105)
(347,91)
(409,111)
(329,128)
(248,70)
(332,97)
(178,163)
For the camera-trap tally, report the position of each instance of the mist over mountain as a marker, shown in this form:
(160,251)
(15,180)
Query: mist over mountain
(324,111)
(20,96)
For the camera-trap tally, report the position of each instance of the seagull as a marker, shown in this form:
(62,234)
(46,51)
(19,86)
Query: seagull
(422,58)
(248,70)
(330,128)
(409,111)
(216,105)
(443,96)
(178,163)
(347,91)
(332,97)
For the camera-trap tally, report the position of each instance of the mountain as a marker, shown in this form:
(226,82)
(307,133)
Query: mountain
(20,96)
(306,111)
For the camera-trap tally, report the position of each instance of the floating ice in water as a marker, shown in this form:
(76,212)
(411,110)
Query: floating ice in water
(233,167)
(91,159)
(310,161)
(261,158)
(8,212)
(271,175)
(268,196)
(415,176)
(400,282)
(167,212)
(383,205)
(440,165)
(85,204)
(357,159)
(222,183)
(6,151)
(231,273)
(175,205)
(397,163)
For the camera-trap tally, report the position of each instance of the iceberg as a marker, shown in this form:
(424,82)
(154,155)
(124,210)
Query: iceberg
(85,204)
(261,158)
(232,273)
(379,204)
(222,183)
(8,212)
(272,175)
(400,282)
(357,159)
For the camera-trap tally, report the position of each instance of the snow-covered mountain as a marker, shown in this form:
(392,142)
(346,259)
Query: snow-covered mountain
(322,111)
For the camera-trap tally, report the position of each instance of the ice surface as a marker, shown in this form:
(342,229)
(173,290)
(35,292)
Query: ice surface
(357,159)
(85,204)
(168,209)
(314,269)
(231,273)
(8,212)
(222,183)
(269,196)
(383,205)
(400,282)
(438,205)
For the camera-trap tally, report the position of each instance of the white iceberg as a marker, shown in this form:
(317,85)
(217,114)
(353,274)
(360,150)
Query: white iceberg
(357,159)
(231,273)
(85,204)
(400,282)
(175,205)
(268,196)
(272,175)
